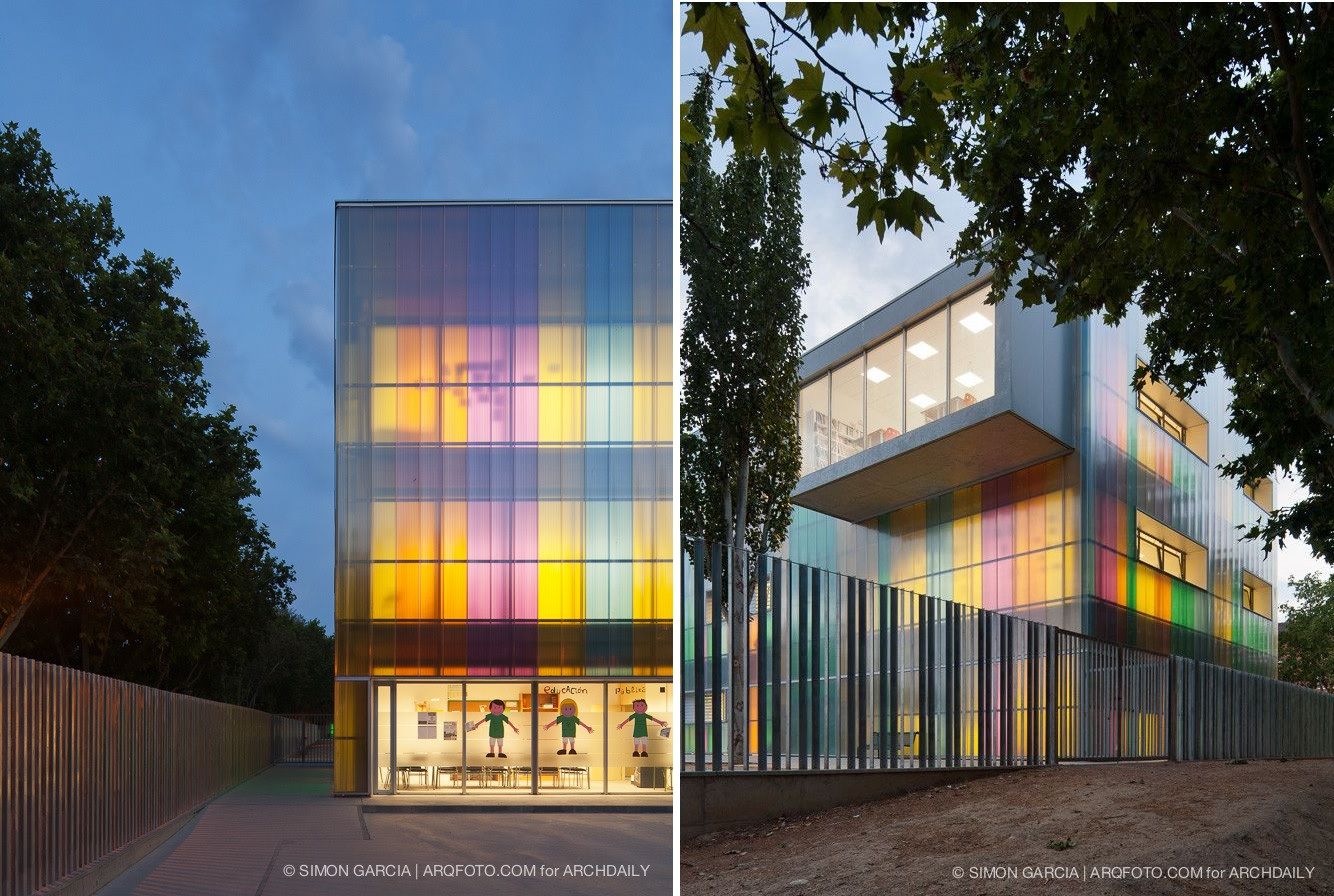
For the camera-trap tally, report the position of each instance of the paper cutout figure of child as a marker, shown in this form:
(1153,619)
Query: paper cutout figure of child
(496,732)
(569,727)
(641,718)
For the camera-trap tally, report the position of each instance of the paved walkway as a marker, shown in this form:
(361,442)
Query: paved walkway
(281,833)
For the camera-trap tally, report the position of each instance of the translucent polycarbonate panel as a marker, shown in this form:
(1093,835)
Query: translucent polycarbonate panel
(504,439)
(1056,542)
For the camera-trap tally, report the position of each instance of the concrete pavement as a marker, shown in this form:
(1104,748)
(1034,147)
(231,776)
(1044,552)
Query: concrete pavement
(281,833)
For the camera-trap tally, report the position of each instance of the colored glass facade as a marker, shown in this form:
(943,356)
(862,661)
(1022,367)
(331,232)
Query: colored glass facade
(504,425)
(1057,541)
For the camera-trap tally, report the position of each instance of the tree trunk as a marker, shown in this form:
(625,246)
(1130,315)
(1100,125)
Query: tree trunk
(739,625)
(27,593)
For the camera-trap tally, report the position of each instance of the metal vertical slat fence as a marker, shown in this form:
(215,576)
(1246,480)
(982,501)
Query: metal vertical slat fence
(845,673)
(89,764)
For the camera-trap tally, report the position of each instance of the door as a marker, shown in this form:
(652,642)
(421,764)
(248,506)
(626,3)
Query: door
(385,772)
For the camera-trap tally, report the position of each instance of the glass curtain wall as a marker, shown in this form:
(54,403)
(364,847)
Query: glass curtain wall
(504,423)
(942,363)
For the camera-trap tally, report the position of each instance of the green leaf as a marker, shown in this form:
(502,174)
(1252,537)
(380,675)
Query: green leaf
(1077,15)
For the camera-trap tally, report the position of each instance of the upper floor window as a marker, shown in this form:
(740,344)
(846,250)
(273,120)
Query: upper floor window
(1168,550)
(1160,555)
(1174,416)
(1256,595)
(942,363)
(1261,492)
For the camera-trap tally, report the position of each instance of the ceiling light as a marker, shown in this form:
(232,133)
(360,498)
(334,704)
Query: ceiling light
(923,401)
(976,322)
(922,350)
(876,375)
(968,379)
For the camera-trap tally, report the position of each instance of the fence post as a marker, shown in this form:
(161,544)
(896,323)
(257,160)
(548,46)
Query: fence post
(861,673)
(1051,695)
(803,664)
(984,688)
(1173,749)
(761,660)
(701,723)
(776,583)
(923,678)
(716,666)
(849,707)
(817,672)
(893,732)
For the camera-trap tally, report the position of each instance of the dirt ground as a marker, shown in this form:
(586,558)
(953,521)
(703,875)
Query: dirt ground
(1125,829)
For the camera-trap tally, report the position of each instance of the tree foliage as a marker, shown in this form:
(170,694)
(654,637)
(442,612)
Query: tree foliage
(741,341)
(128,544)
(1306,640)
(740,357)
(1178,157)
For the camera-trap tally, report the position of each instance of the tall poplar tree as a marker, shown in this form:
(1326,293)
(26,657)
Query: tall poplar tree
(740,354)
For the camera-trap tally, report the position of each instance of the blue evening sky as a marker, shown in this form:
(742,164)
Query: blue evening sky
(223,133)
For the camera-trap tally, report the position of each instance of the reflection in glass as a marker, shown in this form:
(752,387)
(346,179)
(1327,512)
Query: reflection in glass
(884,391)
(924,371)
(846,423)
(813,413)
(972,350)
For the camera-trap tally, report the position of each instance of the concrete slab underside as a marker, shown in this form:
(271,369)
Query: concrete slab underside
(281,833)
(867,485)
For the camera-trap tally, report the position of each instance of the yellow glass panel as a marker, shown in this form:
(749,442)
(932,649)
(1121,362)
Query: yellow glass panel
(664,418)
(644,415)
(453,361)
(418,354)
(645,368)
(641,606)
(418,535)
(664,356)
(384,355)
(383,588)
(552,365)
(550,426)
(454,414)
(416,590)
(552,584)
(453,591)
(663,590)
(384,414)
(382,530)
(454,531)
(418,414)
(1055,574)
(907,552)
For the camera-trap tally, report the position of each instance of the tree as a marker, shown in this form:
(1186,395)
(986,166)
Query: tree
(1306,640)
(1175,157)
(740,354)
(126,535)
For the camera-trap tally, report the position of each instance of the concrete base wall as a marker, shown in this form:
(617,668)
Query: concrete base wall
(713,801)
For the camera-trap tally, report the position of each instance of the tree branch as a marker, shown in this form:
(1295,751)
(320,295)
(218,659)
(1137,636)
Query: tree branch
(1311,204)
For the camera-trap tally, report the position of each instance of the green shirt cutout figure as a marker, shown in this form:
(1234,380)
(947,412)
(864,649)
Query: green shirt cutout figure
(639,733)
(569,727)
(496,731)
